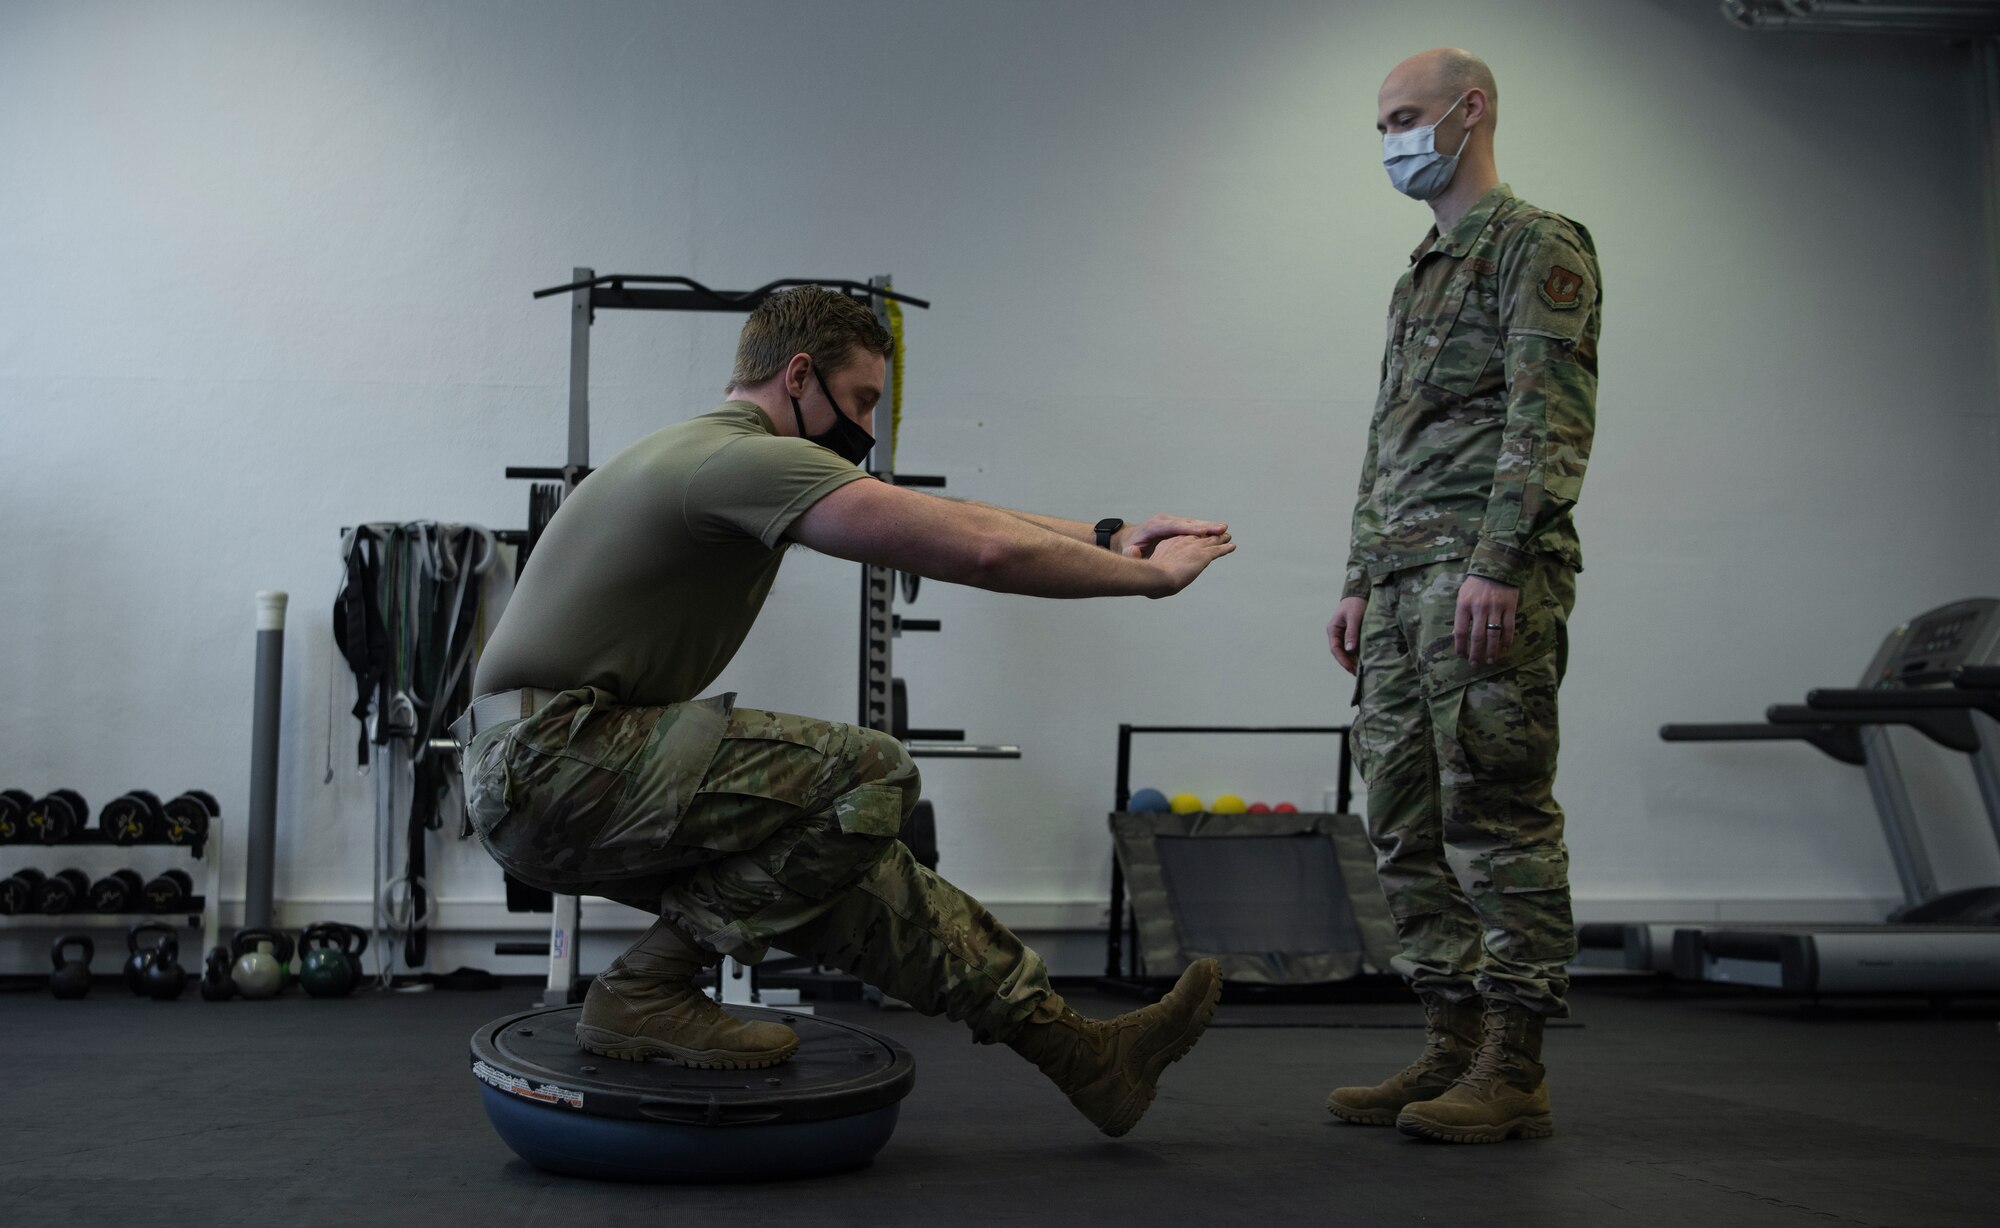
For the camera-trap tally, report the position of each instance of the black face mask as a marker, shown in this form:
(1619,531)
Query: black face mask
(845,438)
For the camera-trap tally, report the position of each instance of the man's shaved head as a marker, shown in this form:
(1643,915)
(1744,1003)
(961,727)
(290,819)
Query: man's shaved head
(1436,78)
(1459,71)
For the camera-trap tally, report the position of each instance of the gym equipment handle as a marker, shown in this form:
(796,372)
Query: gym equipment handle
(1843,744)
(1951,730)
(1977,677)
(1839,698)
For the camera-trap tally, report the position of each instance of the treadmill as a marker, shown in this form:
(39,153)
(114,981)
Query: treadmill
(1939,674)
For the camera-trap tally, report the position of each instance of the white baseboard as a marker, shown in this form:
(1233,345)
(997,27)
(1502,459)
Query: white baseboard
(492,917)
(1065,916)
(1848,909)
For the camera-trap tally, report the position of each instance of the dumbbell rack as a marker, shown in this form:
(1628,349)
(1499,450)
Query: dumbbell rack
(205,906)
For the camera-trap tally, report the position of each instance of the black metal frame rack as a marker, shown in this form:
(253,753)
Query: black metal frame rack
(1121,920)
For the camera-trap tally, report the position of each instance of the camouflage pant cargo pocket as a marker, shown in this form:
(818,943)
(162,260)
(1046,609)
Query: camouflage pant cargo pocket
(871,810)
(1389,739)
(485,772)
(585,791)
(1499,730)
(1530,931)
(1529,871)
(827,857)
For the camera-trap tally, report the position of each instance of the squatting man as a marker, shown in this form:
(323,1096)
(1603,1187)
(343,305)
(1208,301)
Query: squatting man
(593,768)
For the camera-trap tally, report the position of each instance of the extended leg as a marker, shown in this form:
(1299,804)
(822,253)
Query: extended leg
(860,902)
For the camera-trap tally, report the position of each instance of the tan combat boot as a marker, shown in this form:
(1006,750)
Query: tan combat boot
(645,1005)
(1451,1036)
(1108,1068)
(1501,1095)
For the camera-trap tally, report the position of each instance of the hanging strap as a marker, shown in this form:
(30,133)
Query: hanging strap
(358,628)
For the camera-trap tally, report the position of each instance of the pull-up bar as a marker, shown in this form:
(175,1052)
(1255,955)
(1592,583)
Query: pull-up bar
(609,291)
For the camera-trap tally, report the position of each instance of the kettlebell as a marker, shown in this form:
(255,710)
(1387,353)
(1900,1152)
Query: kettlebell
(165,979)
(71,980)
(216,984)
(324,970)
(257,972)
(354,945)
(135,965)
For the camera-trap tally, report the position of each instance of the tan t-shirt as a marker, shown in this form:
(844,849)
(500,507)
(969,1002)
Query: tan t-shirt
(650,574)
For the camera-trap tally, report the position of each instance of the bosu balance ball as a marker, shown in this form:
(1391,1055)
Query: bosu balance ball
(564,1109)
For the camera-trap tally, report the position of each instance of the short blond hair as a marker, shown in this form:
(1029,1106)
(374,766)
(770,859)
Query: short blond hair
(825,324)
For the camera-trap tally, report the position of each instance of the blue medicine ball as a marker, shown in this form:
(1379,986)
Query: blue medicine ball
(1148,800)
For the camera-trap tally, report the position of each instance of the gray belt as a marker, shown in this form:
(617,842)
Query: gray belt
(490,710)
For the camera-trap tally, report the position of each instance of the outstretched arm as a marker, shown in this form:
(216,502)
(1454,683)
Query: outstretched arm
(1136,540)
(971,544)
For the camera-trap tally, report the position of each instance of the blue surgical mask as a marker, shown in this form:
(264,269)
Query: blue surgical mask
(1415,166)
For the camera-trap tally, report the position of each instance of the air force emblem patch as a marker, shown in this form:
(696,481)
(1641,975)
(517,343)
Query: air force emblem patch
(1561,289)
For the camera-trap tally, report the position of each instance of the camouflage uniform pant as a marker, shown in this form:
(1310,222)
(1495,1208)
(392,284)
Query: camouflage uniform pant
(1460,764)
(747,829)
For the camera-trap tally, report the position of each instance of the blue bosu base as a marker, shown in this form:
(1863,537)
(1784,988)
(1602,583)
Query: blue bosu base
(829,1109)
(611,1149)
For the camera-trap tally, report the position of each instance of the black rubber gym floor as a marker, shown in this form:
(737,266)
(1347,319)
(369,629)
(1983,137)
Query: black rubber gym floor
(1677,1108)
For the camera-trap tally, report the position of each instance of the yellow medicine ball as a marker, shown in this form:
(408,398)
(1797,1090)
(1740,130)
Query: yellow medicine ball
(1229,803)
(1184,803)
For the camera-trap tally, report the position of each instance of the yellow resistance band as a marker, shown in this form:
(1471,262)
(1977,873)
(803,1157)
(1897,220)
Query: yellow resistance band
(895,377)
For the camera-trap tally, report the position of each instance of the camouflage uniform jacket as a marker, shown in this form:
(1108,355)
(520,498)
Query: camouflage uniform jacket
(1488,399)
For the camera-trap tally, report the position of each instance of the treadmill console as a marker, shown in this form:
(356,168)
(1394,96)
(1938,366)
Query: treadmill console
(1925,650)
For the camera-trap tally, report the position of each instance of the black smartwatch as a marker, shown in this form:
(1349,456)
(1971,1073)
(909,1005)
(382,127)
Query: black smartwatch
(1105,528)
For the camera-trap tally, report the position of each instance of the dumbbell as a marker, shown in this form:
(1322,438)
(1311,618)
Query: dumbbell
(134,818)
(14,805)
(58,816)
(62,892)
(187,817)
(17,891)
(169,891)
(119,891)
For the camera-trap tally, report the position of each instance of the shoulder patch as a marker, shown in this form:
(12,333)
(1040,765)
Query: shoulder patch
(1561,288)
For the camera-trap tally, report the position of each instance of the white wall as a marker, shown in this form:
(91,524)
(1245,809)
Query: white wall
(267,272)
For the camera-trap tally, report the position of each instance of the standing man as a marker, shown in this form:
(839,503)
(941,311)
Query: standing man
(592,768)
(1460,578)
